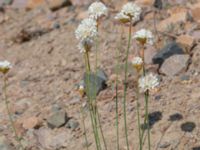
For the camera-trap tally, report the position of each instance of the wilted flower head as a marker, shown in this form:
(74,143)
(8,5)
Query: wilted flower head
(122,17)
(144,36)
(130,10)
(148,82)
(97,10)
(137,63)
(86,33)
(5,66)
(81,90)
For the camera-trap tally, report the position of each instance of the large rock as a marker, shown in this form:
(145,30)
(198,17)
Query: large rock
(50,140)
(96,82)
(57,119)
(166,52)
(175,65)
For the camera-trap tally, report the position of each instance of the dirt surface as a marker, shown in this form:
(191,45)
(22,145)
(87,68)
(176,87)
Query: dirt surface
(47,65)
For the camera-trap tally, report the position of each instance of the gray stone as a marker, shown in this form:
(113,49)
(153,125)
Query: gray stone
(4,145)
(101,73)
(57,119)
(164,145)
(175,65)
(96,82)
(56,108)
(185,78)
(158,4)
(166,52)
(72,124)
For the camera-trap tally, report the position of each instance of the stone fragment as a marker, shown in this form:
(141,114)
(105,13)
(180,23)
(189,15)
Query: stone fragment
(57,119)
(72,124)
(167,51)
(175,65)
(32,122)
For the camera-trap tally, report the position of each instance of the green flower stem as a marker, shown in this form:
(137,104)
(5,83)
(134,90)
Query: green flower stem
(18,139)
(97,116)
(88,70)
(143,59)
(147,118)
(125,83)
(138,113)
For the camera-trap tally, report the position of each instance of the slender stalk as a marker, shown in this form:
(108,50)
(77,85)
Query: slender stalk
(146,114)
(84,128)
(125,83)
(96,113)
(138,113)
(117,114)
(88,70)
(143,59)
(18,139)
(101,130)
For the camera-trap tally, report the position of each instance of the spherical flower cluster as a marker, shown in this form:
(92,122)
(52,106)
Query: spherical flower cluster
(144,36)
(129,11)
(148,82)
(97,10)
(86,33)
(87,29)
(5,66)
(137,63)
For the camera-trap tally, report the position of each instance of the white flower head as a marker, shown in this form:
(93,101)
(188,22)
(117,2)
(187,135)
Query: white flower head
(97,10)
(86,33)
(144,36)
(148,82)
(5,66)
(132,10)
(87,29)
